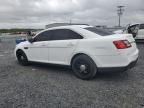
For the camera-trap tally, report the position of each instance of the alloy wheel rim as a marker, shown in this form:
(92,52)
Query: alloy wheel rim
(22,57)
(82,68)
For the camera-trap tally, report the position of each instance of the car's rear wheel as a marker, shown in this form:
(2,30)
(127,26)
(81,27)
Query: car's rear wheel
(84,67)
(22,58)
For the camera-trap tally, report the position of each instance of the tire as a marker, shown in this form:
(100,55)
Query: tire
(22,58)
(84,67)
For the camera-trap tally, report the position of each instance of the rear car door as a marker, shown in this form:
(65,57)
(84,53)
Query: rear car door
(62,45)
(38,50)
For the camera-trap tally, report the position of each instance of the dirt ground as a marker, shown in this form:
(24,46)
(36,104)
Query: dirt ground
(50,86)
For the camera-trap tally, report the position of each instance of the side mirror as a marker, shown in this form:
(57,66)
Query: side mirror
(31,40)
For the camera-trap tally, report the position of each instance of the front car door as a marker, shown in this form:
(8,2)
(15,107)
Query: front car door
(62,45)
(38,50)
(133,30)
(140,32)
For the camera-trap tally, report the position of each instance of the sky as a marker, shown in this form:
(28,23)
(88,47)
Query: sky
(38,13)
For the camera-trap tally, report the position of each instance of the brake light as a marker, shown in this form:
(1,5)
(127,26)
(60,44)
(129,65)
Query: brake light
(122,44)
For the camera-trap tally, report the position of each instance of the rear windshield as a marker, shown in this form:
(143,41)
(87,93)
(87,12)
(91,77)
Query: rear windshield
(101,32)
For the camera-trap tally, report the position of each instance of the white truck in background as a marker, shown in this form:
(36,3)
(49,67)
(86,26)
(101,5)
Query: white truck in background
(137,30)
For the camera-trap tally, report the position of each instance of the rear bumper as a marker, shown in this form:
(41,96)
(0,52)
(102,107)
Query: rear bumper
(118,69)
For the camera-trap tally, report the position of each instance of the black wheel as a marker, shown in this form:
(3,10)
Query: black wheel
(22,58)
(84,67)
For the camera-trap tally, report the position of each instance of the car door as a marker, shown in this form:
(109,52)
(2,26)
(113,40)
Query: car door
(133,30)
(141,32)
(38,50)
(62,45)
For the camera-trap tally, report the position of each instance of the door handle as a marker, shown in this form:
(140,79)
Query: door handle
(25,47)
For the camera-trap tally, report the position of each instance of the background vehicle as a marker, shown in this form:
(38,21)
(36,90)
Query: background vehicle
(137,30)
(85,48)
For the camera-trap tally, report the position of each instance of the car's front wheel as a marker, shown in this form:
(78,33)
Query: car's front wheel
(22,58)
(84,67)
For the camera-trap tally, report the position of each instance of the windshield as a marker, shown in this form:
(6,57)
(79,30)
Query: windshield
(101,32)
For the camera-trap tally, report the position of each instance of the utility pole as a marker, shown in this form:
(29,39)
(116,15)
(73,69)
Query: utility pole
(70,22)
(120,12)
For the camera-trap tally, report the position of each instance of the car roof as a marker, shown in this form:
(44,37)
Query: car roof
(69,26)
(136,24)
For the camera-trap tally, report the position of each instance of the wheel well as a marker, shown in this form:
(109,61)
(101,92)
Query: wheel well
(19,50)
(76,56)
(79,55)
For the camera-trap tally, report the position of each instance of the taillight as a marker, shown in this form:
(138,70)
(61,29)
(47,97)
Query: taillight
(122,44)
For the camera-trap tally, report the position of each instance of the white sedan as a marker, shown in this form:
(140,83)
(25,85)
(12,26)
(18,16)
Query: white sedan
(86,49)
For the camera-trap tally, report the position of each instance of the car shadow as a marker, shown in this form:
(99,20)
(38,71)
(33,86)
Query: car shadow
(52,67)
(111,76)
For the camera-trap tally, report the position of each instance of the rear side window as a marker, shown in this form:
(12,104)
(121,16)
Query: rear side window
(142,26)
(65,34)
(101,32)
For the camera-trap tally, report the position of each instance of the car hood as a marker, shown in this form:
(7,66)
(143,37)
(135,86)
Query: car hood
(23,43)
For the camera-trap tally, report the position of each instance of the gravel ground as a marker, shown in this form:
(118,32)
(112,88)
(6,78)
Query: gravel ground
(49,86)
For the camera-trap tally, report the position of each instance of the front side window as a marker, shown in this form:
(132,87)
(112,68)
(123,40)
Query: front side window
(142,26)
(65,34)
(132,28)
(44,36)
